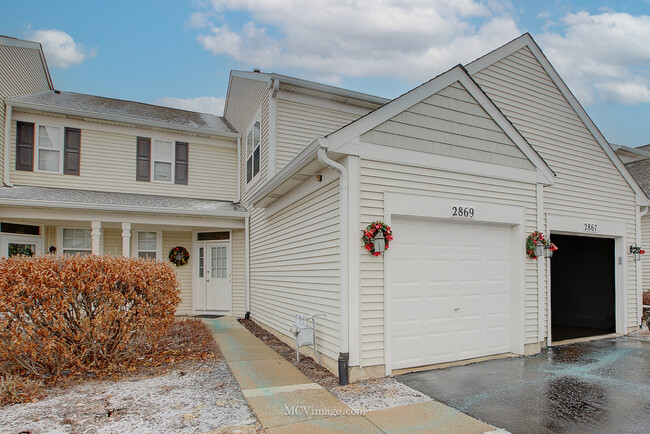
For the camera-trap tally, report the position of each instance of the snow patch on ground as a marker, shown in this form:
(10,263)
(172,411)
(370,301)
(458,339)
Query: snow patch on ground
(378,394)
(497,431)
(199,397)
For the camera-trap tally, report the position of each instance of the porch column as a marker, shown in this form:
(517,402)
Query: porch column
(126,239)
(96,237)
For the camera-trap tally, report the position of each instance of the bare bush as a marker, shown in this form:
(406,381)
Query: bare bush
(61,315)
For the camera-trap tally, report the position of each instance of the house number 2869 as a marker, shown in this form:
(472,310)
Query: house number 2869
(462,211)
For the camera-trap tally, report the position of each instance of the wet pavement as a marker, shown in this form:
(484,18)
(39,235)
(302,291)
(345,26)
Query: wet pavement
(592,387)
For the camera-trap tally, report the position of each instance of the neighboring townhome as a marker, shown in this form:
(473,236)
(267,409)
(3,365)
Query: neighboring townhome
(85,174)
(637,162)
(464,168)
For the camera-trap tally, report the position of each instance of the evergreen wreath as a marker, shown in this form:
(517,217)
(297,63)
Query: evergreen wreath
(179,252)
(534,239)
(370,232)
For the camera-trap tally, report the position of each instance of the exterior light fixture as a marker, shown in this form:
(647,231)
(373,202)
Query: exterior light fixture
(636,252)
(379,241)
(540,250)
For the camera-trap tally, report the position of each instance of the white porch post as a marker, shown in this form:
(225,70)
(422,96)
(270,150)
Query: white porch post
(126,239)
(96,237)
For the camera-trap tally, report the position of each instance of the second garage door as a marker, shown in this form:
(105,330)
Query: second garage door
(451,291)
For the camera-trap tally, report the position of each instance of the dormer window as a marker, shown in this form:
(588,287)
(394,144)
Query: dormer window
(253,151)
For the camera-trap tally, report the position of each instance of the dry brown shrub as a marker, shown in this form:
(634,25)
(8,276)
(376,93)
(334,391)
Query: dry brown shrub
(15,389)
(70,314)
(187,339)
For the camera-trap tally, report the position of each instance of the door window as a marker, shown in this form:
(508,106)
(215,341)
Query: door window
(219,264)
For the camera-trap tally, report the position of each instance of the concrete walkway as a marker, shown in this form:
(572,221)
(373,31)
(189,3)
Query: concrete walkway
(286,401)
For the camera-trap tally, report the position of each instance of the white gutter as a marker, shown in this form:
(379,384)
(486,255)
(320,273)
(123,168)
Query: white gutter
(124,119)
(238,169)
(119,208)
(344,260)
(642,211)
(7,150)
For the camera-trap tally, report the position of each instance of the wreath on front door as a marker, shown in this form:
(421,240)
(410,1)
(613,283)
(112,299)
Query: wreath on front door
(370,232)
(179,255)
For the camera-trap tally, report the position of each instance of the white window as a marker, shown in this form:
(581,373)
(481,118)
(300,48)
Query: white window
(163,158)
(49,147)
(253,151)
(147,245)
(76,241)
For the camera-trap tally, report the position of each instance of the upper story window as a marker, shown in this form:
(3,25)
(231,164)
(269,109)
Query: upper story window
(168,161)
(253,151)
(48,148)
(55,149)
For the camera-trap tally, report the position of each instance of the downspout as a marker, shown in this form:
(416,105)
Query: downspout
(238,170)
(7,146)
(344,351)
(247,267)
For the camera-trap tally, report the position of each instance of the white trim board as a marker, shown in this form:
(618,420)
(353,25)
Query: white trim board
(526,40)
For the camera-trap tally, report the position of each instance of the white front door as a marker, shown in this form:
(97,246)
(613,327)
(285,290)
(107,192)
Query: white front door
(14,244)
(216,276)
(451,291)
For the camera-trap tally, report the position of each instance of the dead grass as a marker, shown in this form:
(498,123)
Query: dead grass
(186,340)
(312,370)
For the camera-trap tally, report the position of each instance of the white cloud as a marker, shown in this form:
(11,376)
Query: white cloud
(603,57)
(408,39)
(60,48)
(203,104)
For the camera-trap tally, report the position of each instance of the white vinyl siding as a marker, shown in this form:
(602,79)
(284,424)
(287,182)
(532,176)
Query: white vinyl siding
(450,123)
(238,267)
(295,265)
(171,239)
(108,163)
(300,123)
(587,182)
(379,177)
(21,71)
(2,139)
(112,241)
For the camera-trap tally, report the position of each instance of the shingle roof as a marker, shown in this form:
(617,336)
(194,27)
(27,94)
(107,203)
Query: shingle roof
(640,170)
(132,202)
(129,110)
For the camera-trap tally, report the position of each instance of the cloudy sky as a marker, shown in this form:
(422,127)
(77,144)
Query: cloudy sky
(179,52)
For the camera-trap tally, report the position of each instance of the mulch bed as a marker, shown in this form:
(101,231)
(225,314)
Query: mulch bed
(307,366)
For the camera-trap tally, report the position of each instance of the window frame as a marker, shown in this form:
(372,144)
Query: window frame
(37,147)
(250,131)
(171,161)
(135,251)
(63,249)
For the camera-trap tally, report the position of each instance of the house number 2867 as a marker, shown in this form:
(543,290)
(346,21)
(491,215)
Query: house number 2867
(462,211)
(590,227)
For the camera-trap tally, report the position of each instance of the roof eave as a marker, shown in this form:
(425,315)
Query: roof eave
(118,208)
(123,119)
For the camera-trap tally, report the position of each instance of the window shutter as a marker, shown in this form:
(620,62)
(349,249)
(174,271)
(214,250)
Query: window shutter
(143,164)
(182,154)
(72,151)
(25,146)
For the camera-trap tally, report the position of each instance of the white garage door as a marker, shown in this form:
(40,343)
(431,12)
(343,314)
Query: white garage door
(451,291)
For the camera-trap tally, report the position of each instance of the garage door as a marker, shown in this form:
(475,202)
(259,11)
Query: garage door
(451,291)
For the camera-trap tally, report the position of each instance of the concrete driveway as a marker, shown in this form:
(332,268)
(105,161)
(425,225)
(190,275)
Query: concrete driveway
(601,386)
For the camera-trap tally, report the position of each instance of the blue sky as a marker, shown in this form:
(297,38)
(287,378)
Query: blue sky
(179,53)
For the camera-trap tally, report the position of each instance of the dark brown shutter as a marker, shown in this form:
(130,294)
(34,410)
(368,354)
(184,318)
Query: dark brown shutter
(143,165)
(182,150)
(72,151)
(25,146)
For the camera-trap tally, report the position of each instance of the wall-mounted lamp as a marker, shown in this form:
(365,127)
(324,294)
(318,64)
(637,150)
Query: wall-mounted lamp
(540,249)
(636,252)
(549,249)
(379,241)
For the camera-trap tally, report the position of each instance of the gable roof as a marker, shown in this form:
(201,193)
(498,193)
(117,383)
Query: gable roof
(640,170)
(526,40)
(14,42)
(349,132)
(118,110)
